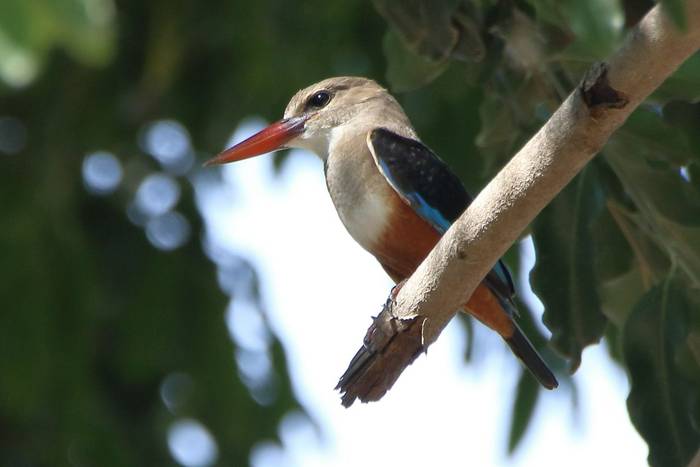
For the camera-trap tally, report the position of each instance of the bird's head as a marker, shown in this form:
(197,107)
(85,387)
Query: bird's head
(314,113)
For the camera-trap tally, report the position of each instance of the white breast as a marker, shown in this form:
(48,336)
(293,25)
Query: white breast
(365,221)
(359,191)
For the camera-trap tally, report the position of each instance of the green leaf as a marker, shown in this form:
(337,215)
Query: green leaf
(425,26)
(689,360)
(513,108)
(407,70)
(656,139)
(469,46)
(694,175)
(661,399)
(549,11)
(620,294)
(676,10)
(525,46)
(524,405)
(20,54)
(596,25)
(614,256)
(683,83)
(30,29)
(84,27)
(669,206)
(498,132)
(468,323)
(619,272)
(563,276)
(685,116)
(689,357)
(16,22)
(650,262)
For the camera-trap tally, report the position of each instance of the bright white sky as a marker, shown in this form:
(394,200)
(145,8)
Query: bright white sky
(320,289)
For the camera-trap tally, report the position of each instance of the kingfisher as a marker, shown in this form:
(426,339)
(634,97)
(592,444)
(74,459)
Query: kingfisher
(395,196)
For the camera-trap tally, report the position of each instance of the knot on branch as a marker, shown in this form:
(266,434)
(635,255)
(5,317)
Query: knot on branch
(597,93)
(390,345)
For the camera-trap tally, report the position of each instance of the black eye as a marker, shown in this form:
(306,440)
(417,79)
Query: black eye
(319,99)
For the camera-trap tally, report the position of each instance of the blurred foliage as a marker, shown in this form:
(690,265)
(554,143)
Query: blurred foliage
(618,251)
(110,336)
(564,271)
(106,341)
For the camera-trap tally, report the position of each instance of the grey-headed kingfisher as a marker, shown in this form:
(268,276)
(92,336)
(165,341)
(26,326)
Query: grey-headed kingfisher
(393,194)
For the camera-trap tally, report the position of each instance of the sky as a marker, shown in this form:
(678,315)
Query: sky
(320,289)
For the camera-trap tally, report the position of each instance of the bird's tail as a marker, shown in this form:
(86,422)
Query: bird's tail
(498,312)
(524,350)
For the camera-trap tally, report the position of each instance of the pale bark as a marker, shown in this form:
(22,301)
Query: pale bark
(497,217)
(695,461)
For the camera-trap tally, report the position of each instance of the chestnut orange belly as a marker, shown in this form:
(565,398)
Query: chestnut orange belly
(405,242)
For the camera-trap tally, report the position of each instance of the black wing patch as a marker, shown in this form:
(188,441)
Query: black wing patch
(428,185)
(420,177)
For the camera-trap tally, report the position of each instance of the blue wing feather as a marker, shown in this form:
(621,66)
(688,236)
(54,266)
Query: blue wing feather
(427,184)
(417,202)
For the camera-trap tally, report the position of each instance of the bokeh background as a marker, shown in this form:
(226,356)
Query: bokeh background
(158,313)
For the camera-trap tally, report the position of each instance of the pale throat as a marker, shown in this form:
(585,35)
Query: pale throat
(357,188)
(317,141)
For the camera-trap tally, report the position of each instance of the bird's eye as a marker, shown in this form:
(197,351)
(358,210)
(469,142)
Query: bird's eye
(319,99)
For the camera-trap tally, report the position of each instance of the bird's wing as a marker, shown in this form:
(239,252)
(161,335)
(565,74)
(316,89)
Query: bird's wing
(426,183)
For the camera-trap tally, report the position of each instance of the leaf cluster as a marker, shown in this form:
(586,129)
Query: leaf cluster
(618,249)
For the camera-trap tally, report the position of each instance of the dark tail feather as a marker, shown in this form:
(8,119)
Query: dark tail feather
(523,349)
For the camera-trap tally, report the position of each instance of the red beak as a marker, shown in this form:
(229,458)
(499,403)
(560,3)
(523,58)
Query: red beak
(270,139)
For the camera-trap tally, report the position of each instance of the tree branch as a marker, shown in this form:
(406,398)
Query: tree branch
(538,172)
(695,461)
